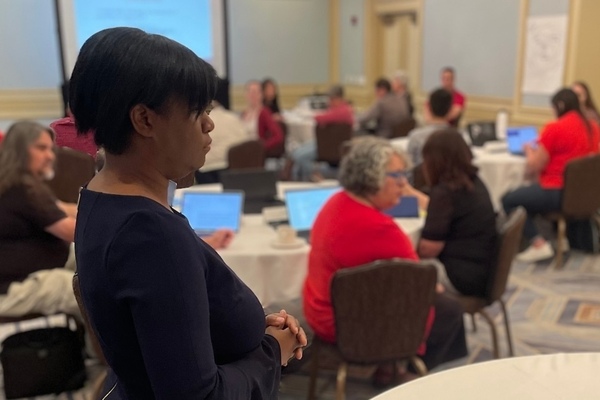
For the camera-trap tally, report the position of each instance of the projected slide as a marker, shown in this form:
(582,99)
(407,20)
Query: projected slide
(186,21)
(197,24)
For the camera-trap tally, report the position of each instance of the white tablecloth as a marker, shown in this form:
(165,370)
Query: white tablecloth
(544,377)
(276,275)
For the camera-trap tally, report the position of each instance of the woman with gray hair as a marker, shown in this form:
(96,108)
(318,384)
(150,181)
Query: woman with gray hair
(35,228)
(352,230)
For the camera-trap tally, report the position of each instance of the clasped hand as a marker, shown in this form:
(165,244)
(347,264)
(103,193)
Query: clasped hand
(288,332)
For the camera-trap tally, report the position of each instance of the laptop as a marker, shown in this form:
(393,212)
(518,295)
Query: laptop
(518,137)
(408,207)
(259,187)
(303,205)
(481,132)
(210,211)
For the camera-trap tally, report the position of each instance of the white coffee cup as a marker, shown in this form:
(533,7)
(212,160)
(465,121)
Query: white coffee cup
(286,234)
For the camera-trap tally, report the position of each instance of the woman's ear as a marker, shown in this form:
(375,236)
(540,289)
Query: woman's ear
(141,119)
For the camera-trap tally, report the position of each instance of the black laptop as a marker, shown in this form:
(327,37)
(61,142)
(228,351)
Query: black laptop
(259,187)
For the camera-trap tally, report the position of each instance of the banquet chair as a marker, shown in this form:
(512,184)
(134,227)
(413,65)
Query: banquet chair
(248,154)
(73,169)
(380,311)
(329,139)
(509,239)
(580,198)
(403,128)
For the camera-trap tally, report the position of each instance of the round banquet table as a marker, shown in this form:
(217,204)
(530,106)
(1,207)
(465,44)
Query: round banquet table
(276,275)
(541,377)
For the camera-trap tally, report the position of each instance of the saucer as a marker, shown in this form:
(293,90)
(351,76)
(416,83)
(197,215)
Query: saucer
(299,242)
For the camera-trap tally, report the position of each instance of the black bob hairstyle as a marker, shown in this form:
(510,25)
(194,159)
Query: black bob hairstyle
(118,68)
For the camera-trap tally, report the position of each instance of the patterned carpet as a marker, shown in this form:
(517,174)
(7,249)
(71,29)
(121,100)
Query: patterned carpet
(550,311)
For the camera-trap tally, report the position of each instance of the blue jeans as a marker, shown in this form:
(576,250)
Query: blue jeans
(304,159)
(536,201)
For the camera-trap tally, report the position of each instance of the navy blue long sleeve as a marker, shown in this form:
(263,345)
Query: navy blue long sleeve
(173,320)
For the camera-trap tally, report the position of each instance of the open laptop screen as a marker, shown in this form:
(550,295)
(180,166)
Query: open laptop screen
(518,137)
(408,207)
(303,205)
(208,212)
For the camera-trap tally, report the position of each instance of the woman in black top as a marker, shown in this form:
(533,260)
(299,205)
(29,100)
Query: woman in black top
(460,229)
(173,321)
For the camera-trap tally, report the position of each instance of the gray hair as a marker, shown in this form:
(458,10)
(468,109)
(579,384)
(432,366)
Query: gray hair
(14,153)
(401,76)
(362,171)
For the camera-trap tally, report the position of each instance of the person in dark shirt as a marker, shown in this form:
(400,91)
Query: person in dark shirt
(460,228)
(35,228)
(173,320)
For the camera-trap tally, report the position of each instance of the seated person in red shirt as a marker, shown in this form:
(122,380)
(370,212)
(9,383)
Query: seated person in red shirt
(352,230)
(338,112)
(571,136)
(66,136)
(258,119)
(35,228)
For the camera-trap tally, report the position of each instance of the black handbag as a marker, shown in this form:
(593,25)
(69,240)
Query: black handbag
(42,361)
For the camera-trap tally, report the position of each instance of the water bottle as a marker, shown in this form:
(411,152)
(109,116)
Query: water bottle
(501,124)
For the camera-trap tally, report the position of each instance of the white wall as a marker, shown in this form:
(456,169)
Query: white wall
(287,40)
(352,38)
(479,38)
(29,52)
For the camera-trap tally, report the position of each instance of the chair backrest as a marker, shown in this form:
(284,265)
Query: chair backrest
(381,309)
(249,154)
(73,169)
(481,132)
(330,138)
(403,128)
(581,192)
(509,239)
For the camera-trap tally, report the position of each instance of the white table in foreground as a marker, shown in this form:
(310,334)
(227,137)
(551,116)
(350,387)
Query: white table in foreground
(543,377)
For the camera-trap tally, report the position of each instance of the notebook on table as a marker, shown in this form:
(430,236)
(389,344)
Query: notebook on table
(259,187)
(408,207)
(519,136)
(208,211)
(303,205)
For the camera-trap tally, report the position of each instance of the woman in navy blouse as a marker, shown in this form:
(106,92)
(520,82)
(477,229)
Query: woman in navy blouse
(173,321)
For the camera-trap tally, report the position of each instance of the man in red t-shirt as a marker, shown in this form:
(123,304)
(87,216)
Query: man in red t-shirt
(458,99)
(338,112)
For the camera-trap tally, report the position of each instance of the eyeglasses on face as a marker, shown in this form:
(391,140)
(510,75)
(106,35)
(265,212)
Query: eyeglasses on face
(397,175)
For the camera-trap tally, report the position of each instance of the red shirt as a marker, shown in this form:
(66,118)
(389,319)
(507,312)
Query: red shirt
(565,139)
(340,114)
(66,136)
(1,136)
(347,234)
(458,98)
(269,131)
